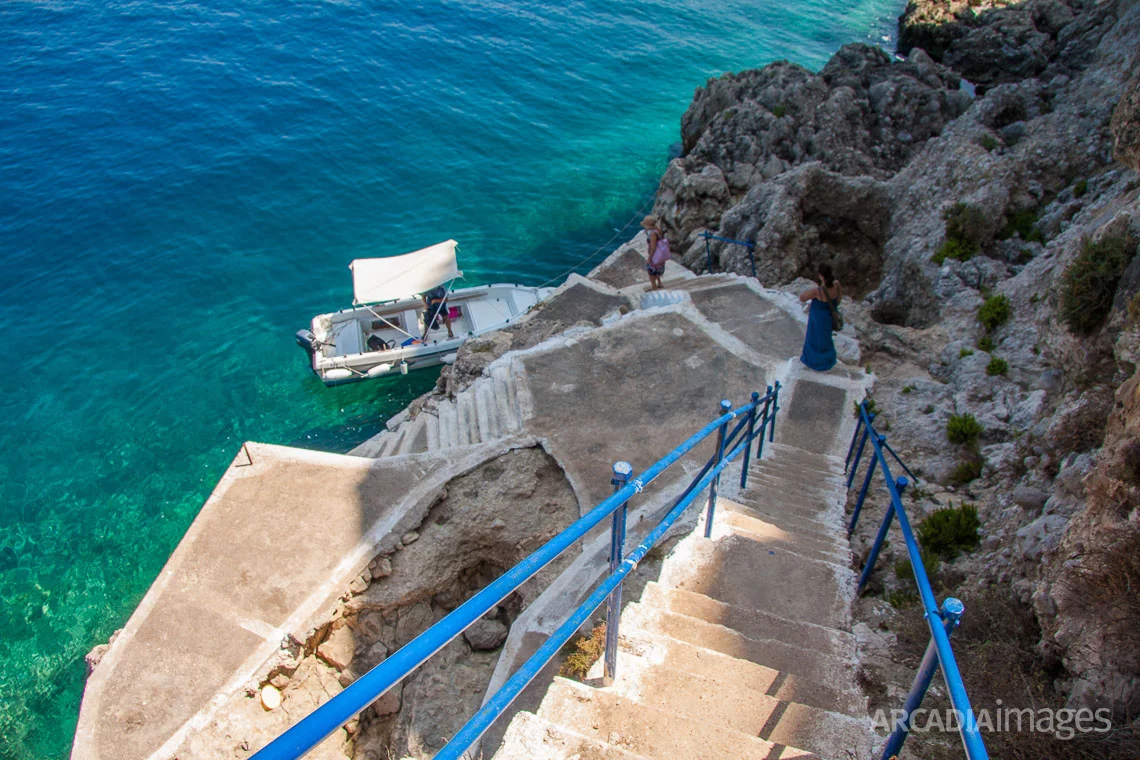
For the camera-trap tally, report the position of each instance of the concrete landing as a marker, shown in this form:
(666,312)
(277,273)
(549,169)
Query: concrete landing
(274,547)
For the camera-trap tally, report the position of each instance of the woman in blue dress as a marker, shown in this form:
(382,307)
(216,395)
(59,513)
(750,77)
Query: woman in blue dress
(819,348)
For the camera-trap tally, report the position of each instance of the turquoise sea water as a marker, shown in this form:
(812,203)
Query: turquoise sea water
(182,186)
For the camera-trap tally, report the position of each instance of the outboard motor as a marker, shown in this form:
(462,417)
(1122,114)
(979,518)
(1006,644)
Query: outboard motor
(307,341)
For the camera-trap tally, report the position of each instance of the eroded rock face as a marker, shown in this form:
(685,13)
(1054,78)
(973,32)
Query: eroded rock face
(1083,603)
(1126,126)
(997,41)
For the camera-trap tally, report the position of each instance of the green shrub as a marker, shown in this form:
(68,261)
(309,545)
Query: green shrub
(964,222)
(908,389)
(986,343)
(948,532)
(1022,224)
(954,248)
(964,353)
(871,408)
(1089,283)
(968,470)
(994,312)
(929,409)
(963,428)
(1080,188)
(965,226)
(989,142)
(997,367)
(780,110)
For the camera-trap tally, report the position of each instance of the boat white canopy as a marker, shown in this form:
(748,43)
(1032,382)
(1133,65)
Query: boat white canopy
(375,280)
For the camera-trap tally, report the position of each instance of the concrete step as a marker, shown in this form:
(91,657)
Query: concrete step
(790,513)
(827,734)
(692,658)
(665,297)
(731,570)
(789,453)
(765,497)
(781,467)
(809,677)
(506,396)
(773,538)
(448,425)
(788,521)
(739,707)
(798,481)
(730,704)
(467,419)
(530,737)
(431,427)
(603,715)
(486,411)
(415,438)
(701,282)
(755,624)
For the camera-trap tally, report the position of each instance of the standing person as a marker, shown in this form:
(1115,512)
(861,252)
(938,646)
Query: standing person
(819,348)
(435,300)
(658,252)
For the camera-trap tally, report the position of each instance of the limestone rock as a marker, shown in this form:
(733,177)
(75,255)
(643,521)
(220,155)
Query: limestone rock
(337,650)
(485,635)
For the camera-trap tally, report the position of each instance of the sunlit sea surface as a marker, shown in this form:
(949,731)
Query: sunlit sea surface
(182,186)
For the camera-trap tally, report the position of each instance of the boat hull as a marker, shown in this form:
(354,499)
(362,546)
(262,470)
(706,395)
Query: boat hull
(381,340)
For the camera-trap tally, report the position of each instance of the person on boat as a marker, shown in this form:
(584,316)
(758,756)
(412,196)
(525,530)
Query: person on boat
(658,252)
(819,348)
(435,301)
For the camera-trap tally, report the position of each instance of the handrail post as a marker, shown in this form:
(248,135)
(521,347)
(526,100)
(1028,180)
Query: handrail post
(862,496)
(764,425)
(775,409)
(873,557)
(752,259)
(708,254)
(748,439)
(854,436)
(622,471)
(950,614)
(714,487)
(859,452)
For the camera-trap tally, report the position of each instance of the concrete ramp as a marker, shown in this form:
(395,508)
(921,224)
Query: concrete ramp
(276,544)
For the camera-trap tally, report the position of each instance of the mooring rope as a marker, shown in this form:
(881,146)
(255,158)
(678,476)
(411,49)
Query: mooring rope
(605,246)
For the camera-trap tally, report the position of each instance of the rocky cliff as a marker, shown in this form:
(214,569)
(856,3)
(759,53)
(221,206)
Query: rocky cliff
(980,200)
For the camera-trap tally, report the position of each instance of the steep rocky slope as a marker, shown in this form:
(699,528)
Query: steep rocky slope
(929,199)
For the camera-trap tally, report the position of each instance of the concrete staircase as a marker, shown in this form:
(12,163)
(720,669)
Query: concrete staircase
(741,649)
(487,410)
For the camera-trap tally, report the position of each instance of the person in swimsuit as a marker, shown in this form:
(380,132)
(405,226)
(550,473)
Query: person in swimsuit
(656,269)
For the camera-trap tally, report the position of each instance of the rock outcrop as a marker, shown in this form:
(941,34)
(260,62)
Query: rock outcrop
(927,201)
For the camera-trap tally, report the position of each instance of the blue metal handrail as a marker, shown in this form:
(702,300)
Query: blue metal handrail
(314,728)
(747,244)
(941,622)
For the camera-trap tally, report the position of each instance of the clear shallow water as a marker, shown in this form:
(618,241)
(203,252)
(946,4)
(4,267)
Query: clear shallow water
(182,185)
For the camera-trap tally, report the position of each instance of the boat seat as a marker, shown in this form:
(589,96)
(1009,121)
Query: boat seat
(485,313)
(348,338)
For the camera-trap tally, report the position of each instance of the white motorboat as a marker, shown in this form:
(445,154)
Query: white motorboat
(385,331)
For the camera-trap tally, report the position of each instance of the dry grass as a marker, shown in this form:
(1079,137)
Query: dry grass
(586,650)
(996,651)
